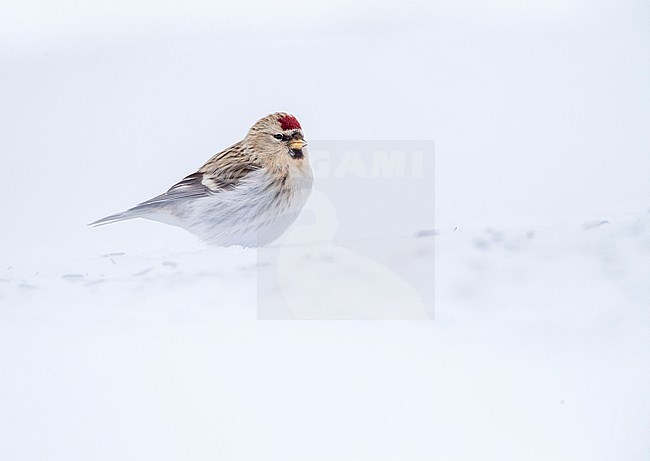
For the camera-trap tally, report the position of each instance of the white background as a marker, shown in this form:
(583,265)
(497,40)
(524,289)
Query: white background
(540,113)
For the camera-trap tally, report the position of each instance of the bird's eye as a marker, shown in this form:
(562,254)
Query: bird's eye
(278,136)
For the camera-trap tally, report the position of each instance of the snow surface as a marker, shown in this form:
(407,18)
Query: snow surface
(134,341)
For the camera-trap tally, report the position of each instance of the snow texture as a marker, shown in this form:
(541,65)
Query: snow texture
(135,342)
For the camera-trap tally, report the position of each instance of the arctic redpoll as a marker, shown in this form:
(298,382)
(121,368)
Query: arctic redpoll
(248,194)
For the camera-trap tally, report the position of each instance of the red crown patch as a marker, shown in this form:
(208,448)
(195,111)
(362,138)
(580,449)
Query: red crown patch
(289,122)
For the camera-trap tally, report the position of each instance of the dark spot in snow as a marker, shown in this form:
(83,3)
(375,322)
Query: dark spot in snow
(27,286)
(426,233)
(594,224)
(481,244)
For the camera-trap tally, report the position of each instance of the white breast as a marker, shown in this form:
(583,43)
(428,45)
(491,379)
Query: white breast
(253,214)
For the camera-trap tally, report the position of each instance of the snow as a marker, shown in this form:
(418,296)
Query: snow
(135,341)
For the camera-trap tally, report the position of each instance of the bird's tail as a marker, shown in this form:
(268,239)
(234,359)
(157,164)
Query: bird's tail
(123,216)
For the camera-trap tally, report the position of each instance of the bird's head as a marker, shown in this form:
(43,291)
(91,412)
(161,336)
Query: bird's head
(280,136)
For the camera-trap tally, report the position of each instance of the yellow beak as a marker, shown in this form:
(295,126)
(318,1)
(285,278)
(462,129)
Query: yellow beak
(297,144)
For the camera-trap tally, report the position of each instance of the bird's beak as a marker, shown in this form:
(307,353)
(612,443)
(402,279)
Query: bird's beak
(297,144)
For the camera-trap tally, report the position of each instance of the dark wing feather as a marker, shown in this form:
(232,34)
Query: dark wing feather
(189,187)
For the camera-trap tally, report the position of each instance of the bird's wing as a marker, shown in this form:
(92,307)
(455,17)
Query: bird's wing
(191,186)
(222,172)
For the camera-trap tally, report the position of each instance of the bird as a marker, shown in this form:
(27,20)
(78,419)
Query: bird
(246,195)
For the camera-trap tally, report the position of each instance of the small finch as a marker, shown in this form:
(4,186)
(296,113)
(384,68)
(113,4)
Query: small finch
(247,195)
